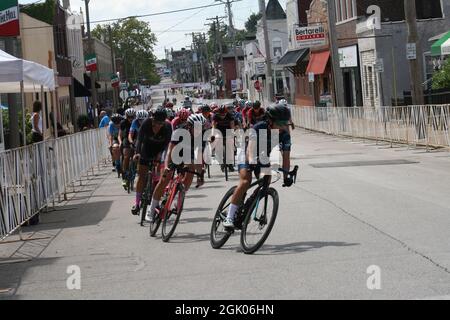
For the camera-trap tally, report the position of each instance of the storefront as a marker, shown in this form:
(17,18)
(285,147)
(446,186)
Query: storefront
(319,70)
(349,63)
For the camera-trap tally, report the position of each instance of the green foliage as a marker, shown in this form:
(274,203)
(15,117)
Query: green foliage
(28,125)
(252,23)
(41,11)
(441,79)
(133,40)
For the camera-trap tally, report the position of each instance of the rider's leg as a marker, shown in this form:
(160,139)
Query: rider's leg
(238,196)
(140,184)
(158,193)
(116,156)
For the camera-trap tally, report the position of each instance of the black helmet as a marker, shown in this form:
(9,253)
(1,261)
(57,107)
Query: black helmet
(257,104)
(205,108)
(116,118)
(160,114)
(278,113)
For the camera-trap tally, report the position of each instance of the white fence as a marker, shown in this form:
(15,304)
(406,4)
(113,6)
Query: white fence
(33,177)
(415,125)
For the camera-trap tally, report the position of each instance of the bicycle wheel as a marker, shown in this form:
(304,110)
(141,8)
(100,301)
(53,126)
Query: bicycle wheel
(209,171)
(172,217)
(219,236)
(154,226)
(259,221)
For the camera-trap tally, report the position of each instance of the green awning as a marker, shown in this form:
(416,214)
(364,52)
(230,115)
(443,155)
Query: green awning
(442,46)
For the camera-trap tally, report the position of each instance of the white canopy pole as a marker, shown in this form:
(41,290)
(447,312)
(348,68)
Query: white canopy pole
(2,135)
(24,129)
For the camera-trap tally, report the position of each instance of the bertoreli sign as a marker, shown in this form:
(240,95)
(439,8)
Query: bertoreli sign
(307,37)
(9,18)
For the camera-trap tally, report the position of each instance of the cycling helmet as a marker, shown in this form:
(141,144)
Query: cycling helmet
(116,118)
(257,105)
(160,114)
(169,105)
(278,113)
(196,118)
(205,108)
(170,113)
(186,98)
(248,104)
(130,113)
(283,102)
(213,105)
(184,114)
(141,115)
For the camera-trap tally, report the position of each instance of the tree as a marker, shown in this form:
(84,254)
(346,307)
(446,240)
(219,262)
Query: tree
(252,23)
(133,40)
(441,79)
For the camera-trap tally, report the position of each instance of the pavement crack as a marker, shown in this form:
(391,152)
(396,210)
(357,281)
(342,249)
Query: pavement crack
(403,244)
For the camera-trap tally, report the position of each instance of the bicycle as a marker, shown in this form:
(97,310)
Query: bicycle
(174,194)
(152,182)
(248,218)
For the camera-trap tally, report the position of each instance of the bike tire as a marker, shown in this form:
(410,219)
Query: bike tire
(219,242)
(154,226)
(209,171)
(250,249)
(167,234)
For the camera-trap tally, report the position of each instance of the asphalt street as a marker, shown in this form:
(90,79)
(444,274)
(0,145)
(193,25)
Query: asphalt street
(358,206)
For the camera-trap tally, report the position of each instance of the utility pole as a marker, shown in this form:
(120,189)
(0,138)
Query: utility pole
(113,64)
(262,8)
(415,68)
(337,74)
(91,51)
(13,105)
(218,40)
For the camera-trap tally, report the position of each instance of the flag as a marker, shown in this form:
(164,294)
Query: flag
(9,18)
(91,62)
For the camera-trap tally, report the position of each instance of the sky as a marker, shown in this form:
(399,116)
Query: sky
(181,24)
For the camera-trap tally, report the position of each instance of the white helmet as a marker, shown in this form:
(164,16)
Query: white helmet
(130,113)
(199,118)
(283,102)
(141,115)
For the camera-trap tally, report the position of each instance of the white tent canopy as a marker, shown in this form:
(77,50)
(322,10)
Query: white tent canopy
(15,70)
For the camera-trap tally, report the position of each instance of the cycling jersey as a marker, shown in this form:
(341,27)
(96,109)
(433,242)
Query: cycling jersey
(113,131)
(134,130)
(125,127)
(255,115)
(223,122)
(150,144)
(264,151)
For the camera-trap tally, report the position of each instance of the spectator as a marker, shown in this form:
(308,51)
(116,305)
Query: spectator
(104,119)
(36,123)
(91,114)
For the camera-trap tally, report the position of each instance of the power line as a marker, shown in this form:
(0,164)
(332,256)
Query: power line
(142,16)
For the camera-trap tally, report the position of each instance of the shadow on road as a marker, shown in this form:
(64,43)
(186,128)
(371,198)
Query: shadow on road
(12,275)
(189,238)
(299,247)
(194,220)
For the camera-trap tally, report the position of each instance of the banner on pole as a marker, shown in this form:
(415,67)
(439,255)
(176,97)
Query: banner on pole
(91,62)
(9,18)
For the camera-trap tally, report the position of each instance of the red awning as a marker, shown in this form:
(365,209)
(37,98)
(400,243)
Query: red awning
(318,62)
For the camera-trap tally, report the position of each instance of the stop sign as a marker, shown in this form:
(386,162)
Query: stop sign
(258,85)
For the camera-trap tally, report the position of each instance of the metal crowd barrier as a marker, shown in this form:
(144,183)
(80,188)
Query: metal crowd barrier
(413,125)
(34,177)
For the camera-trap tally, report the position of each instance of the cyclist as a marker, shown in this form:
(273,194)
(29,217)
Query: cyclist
(125,146)
(153,139)
(256,114)
(248,106)
(181,118)
(187,103)
(169,165)
(141,116)
(223,121)
(113,136)
(277,118)
(285,103)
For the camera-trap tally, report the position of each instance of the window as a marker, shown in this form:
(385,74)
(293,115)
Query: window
(428,9)
(345,9)
(277,45)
